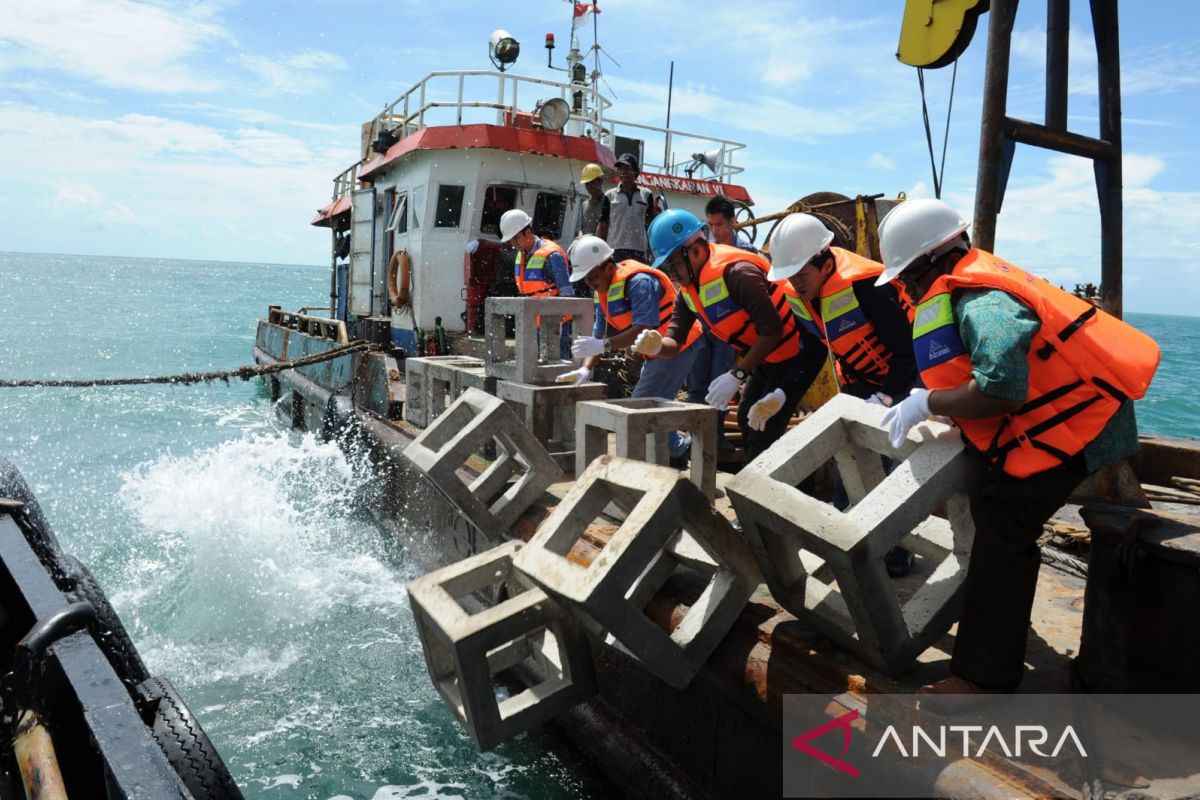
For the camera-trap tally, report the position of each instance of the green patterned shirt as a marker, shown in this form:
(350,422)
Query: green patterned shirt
(997,329)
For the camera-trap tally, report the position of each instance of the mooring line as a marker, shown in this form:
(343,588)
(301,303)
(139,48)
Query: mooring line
(187,378)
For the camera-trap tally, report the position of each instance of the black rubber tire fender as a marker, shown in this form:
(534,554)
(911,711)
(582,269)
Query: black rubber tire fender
(110,634)
(185,744)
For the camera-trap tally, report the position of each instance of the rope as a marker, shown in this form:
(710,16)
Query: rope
(938,176)
(187,378)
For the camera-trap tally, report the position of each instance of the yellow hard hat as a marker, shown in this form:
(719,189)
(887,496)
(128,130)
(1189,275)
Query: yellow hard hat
(591,172)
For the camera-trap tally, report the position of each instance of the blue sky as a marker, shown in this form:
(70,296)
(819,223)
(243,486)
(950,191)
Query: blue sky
(212,130)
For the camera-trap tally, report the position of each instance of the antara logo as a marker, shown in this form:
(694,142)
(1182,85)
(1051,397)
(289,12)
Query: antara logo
(845,325)
(937,350)
(801,743)
(1033,736)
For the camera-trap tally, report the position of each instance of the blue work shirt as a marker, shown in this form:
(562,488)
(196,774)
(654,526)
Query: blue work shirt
(739,241)
(645,296)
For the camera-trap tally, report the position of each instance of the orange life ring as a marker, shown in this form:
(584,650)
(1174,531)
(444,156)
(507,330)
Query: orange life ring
(398,294)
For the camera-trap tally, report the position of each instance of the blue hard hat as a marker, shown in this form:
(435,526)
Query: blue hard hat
(669,230)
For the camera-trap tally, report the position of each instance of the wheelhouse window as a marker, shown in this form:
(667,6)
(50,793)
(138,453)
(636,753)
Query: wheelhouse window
(548,214)
(398,222)
(496,200)
(449,206)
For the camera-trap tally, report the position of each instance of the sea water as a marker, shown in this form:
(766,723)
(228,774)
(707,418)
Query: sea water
(236,551)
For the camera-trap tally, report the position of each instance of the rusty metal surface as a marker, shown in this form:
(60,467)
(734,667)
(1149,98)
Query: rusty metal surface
(1142,603)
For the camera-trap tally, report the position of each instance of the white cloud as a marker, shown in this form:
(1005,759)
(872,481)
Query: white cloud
(185,189)
(116,43)
(1051,225)
(299,73)
(880,161)
(86,200)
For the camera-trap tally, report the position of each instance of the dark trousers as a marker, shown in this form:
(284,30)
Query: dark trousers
(765,379)
(989,648)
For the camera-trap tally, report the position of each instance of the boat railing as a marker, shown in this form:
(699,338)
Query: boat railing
(659,153)
(462,97)
(346,181)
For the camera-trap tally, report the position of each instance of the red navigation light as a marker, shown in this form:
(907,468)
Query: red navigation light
(549,41)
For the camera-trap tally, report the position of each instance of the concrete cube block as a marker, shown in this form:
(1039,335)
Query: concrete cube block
(826,566)
(536,358)
(467,644)
(516,478)
(416,388)
(668,525)
(641,426)
(445,381)
(549,413)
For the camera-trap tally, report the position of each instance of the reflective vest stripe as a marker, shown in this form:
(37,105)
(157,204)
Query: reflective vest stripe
(709,299)
(841,322)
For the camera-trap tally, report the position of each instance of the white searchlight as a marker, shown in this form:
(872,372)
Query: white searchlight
(553,114)
(503,49)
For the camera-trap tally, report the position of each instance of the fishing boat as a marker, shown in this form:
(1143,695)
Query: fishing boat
(415,254)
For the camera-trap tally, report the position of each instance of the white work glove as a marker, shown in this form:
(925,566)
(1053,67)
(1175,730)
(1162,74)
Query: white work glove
(766,408)
(901,417)
(472,246)
(575,377)
(881,399)
(648,342)
(586,347)
(722,390)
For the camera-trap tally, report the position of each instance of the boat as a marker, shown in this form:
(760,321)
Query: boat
(414,254)
(83,716)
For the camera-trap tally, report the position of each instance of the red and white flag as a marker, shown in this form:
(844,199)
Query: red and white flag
(581,13)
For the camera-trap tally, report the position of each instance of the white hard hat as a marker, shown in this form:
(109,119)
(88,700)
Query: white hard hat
(512,223)
(798,238)
(587,253)
(913,229)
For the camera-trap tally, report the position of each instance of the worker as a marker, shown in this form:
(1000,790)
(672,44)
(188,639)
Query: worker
(1041,385)
(540,266)
(592,179)
(630,298)
(728,291)
(626,214)
(720,211)
(866,327)
(713,356)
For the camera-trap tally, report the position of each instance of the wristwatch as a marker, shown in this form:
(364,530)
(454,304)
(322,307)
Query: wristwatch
(740,374)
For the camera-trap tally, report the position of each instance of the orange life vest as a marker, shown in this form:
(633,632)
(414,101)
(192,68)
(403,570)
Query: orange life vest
(709,299)
(617,309)
(534,278)
(1083,364)
(842,324)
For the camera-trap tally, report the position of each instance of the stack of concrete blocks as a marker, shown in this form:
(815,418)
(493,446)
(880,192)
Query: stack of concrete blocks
(549,413)
(467,644)
(641,425)
(521,471)
(418,393)
(537,357)
(826,566)
(445,382)
(668,524)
